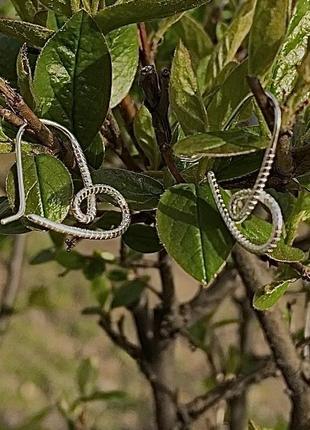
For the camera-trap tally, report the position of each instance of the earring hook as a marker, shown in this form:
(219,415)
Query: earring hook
(89,192)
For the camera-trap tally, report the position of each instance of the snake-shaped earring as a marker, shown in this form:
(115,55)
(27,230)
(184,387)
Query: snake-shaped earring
(89,192)
(242,203)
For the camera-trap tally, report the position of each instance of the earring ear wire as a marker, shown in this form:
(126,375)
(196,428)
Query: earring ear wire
(243,203)
(89,193)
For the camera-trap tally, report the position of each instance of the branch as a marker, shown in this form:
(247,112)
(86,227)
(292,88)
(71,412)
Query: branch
(156,90)
(111,132)
(254,276)
(229,390)
(18,106)
(13,283)
(146,53)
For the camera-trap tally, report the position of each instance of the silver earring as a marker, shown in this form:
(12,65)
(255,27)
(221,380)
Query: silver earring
(89,192)
(243,202)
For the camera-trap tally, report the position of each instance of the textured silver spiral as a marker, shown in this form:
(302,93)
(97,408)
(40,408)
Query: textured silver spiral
(89,193)
(243,202)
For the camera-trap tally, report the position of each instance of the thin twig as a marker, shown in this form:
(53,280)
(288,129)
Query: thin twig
(146,53)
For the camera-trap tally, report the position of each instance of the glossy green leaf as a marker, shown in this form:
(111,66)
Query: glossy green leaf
(25,9)
(267,34)
(140,191)
(229,95)
(61,7)
(192,230)
(142,238)
(133,11)
(128,293)
(237,167)
(222,143)
(72,82)
(48,187)
(258,231)
(230,43)
(145,135)
(24,77)
(186,100)
(292,52)
(124,50)
(25,32)
(268,296)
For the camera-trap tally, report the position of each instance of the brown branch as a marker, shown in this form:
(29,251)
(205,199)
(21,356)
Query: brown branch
(254,276)
(13,283)
(112,134)
(156,90)
(146,52)
(18,106)
(229,390)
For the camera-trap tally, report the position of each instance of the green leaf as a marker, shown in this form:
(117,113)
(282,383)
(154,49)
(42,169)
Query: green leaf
(44,256)
(124,51)
(104,396)
(228,46)
(61,7)
(48,187)
(128,293)
(134,11)
(142,238)
(100,288)
(95,151)
(93,267)
(258,231)
(222,143)
(292,52)
(186,100)
(267,34)
(192,230)
(69,260)
(72,82)
(9,49)
(25,9)
(269,295)
(140,191)
(226,99)
(24,77)
(87,374)
(145,135)
(26,32)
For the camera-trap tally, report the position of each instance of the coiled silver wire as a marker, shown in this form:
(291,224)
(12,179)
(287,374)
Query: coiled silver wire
(242,203)
(88,193)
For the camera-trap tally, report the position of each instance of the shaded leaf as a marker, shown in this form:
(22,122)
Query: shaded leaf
(69,260)
(128,293)
(124,51)
(104,396)
(15,227)
(133,11)
(186,100)
(26,32)
(269,295)
(25,9)
(95,151)
(48,187)
(9,49)
(222,143)
(100,288)
(145,135)
(267,34)
(230,43)
(140,191)
(73,78)
(87,374)
(192,230)
(229,95)
(142,238)
(61,7)
(44,256)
